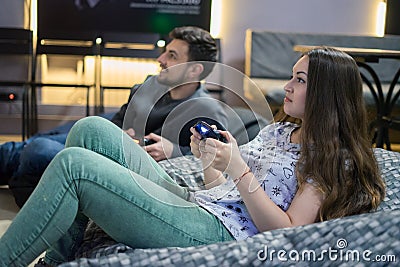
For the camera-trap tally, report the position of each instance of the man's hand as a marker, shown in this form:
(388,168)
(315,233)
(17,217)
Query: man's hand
(130,132)
(161,149)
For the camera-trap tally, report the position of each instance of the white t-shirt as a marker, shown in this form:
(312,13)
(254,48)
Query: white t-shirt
(272,159)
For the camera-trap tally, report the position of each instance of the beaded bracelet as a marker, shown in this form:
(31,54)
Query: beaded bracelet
(237,180)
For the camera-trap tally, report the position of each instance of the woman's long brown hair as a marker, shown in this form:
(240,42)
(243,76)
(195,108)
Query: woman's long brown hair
(336,152)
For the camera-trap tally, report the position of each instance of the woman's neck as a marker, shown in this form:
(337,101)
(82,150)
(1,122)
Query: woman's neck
(295,136)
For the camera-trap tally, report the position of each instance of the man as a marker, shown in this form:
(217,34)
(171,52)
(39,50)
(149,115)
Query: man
(148,108)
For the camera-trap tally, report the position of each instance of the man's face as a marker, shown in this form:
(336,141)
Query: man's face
(176,52)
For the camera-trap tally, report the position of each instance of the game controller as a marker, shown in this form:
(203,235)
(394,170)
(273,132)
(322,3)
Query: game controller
(206,131)
(148,142)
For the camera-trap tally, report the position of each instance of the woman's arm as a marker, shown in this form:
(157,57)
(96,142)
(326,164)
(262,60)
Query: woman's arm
(267,215)
(213,177)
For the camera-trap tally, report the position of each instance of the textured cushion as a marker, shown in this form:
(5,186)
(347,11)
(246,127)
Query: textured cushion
(389,165)
(249,125)
(377,232)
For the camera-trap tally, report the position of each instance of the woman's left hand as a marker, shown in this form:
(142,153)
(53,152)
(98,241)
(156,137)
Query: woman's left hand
(224,157)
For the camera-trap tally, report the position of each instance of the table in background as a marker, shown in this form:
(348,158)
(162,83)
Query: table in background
(384,104)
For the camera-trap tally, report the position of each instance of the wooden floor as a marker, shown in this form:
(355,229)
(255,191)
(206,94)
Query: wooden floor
(7,138)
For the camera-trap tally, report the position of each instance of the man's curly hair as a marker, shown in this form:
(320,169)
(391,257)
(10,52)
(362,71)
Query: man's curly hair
(202,46)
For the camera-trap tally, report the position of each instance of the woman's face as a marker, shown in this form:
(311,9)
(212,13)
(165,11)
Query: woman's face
(296,89)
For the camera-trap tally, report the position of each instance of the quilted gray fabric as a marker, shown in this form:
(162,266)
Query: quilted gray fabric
(371,239)
(187,171)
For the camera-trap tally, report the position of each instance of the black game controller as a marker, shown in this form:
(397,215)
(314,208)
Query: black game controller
(206,131)
(148,142)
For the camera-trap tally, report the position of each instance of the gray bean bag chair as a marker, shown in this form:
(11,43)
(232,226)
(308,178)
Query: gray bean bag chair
(371,239)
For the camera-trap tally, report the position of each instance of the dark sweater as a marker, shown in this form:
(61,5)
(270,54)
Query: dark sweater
(150,109)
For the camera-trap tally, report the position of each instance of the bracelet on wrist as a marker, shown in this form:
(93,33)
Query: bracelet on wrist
(237,180)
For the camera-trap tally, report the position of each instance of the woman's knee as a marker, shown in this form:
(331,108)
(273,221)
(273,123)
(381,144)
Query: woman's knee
(69,155)
(68,161)
(76,164)
(85,128)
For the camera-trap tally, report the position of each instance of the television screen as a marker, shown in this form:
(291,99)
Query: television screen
(88,19)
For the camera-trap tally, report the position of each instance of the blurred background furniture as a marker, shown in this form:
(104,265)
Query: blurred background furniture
(123,45)
(16,52)
(46,47)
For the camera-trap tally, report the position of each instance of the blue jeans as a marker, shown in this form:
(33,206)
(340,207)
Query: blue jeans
(103,175)
(23,163)
(33,160)
(19,158)
(11,153)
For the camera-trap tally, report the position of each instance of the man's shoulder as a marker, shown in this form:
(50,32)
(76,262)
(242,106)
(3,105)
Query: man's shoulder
(205,99)
(203,93)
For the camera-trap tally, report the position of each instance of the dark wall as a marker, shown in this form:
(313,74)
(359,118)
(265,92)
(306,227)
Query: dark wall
(393,17)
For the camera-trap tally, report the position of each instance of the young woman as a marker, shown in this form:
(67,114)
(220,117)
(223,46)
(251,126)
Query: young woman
(289,175)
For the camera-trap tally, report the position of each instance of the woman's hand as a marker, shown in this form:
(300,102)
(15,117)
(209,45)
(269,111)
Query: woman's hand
(195,140)
(212,177)
(204,149)
(224,157)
